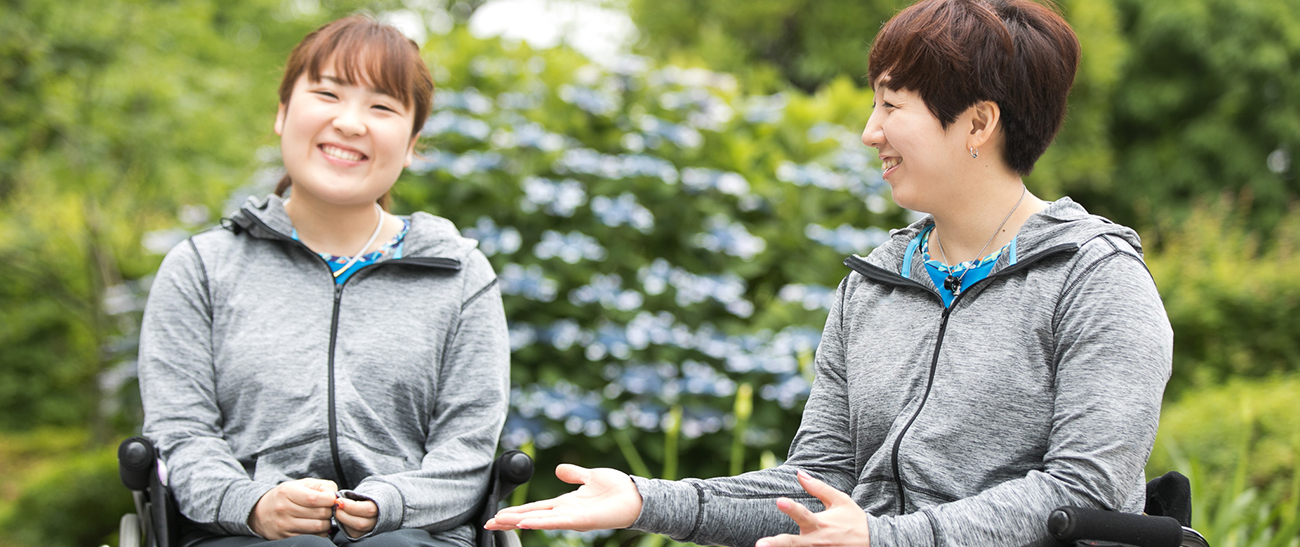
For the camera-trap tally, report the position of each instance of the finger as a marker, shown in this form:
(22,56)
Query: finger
(540,505)
(307,526)
(557,522)
(299,494)
(492,524)
(572,474)
(804,517)
(783,540)
(355,525)
(320,485)
(828,495)
(518,519)
(358,508)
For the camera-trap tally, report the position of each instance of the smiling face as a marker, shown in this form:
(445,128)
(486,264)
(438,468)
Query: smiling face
(343,144)
(922,161)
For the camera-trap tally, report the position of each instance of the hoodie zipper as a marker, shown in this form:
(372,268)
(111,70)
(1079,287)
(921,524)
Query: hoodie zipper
(429,262)
(877,273)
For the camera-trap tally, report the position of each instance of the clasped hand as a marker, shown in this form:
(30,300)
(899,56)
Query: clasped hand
(305,506)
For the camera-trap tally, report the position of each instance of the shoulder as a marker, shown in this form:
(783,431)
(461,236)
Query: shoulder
(434,236)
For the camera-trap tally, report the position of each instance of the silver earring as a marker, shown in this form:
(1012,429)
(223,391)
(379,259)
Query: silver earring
(974,152)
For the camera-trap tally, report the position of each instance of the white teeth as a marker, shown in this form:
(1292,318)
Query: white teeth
(891,163)
(336,152)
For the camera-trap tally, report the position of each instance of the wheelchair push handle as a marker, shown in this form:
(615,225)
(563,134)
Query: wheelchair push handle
(135,461)
(515,469)
(1070,524)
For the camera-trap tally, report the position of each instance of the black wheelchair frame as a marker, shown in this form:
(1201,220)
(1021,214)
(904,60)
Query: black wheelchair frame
(156,522)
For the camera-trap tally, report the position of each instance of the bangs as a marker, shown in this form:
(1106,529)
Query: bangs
(951,53)
(363,52)
(365,63)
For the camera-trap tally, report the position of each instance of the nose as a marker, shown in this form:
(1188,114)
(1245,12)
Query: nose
(350,123)
(873,134)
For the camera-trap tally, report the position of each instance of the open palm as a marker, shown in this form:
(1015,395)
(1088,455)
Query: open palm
(606,499)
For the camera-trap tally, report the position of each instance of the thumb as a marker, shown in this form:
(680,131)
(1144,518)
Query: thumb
(828,495)
(572,474)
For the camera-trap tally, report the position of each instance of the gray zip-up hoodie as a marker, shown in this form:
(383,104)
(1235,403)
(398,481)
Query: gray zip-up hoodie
(256,368)
(1039,387)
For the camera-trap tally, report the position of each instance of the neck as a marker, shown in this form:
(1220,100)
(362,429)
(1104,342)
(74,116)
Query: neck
(339,230)
(982,221)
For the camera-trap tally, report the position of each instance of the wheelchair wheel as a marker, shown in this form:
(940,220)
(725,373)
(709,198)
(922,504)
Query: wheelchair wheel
(128,531)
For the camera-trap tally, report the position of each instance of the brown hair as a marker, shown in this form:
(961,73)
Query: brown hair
(955,53)
(369,52)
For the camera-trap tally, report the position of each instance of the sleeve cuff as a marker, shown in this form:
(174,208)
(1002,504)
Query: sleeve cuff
(671,508)
(237,505)
(392,508)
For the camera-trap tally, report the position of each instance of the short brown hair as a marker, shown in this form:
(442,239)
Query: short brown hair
(955,53)
(367,51)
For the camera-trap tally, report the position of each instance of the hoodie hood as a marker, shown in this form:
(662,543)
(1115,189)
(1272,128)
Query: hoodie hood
(1063,222)
(429,236)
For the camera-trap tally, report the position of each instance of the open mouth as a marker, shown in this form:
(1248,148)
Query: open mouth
(341,153)
(889,164)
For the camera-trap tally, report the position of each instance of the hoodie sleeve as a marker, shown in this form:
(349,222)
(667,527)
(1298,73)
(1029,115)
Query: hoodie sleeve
(177,388)
(473,392)
(741,510)
(1114,349)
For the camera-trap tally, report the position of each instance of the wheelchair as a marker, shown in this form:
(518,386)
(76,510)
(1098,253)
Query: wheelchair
(1166,522)
(157,522)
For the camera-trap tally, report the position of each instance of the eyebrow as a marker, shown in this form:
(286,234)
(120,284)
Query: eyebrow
(341,82)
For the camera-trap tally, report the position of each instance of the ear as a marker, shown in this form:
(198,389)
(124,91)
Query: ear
(279,119)
(985,122)
(410,151)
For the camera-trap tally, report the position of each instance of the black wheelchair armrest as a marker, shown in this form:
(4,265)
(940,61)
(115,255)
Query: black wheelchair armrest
(1080,526)
(511,469)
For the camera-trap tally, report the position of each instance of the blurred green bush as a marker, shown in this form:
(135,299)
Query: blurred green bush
(1241,420)
(1234,303)
(1239,444)
(75,501)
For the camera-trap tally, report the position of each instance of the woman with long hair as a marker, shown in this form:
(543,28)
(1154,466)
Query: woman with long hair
(319,370)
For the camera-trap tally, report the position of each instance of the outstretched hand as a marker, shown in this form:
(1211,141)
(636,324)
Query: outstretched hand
(842,523)
(606,499)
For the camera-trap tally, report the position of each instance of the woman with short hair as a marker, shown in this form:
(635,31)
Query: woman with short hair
(999,358)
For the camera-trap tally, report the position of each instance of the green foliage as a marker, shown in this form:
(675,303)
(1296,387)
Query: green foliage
(117,115)
(806,42)
(1232,302)
(75,503)
(1239,444)
(1207,98)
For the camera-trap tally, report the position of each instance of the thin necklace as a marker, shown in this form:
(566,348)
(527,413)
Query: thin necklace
(379,224)
(953,282)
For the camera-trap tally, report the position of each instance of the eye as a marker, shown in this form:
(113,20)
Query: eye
(385,107)
(329,94)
